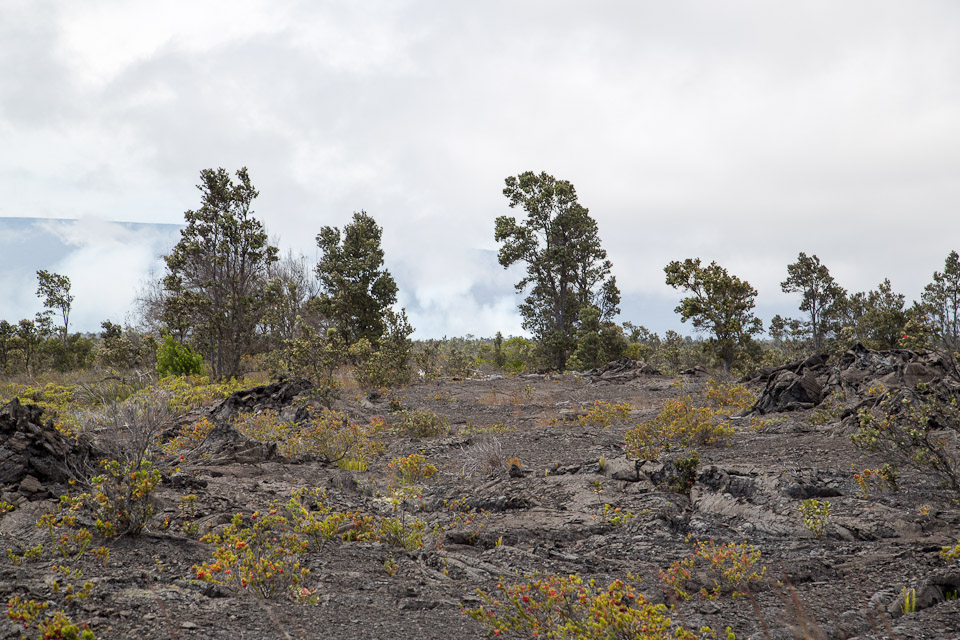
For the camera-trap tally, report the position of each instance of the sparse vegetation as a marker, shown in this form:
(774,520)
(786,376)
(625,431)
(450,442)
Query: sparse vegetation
(570,607)
(815,515)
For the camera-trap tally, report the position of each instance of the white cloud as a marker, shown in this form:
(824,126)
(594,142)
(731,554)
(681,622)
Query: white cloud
(742,132)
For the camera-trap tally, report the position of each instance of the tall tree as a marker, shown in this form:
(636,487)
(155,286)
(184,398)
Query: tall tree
(822,296)
(8,334)
(884,321)
(356,291)
(720,304)
(216,273)
(567,268)
(941,302)
(54,290)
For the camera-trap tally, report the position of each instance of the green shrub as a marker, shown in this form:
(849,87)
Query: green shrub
(679,424)
(176,359)
(569,608)
(423,424)
(908,427)
(730,566)
(815,515)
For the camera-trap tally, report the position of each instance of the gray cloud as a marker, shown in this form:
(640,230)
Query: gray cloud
(742,132)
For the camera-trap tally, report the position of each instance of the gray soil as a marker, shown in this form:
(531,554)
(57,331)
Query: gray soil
(544,517)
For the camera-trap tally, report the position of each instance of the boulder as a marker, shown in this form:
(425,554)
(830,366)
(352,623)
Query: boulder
(33,453)
(622,370)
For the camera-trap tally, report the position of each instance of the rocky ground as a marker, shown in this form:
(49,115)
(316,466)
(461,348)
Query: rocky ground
(542,514)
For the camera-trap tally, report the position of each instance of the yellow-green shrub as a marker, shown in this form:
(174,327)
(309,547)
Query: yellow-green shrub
(679,424)
(567,607)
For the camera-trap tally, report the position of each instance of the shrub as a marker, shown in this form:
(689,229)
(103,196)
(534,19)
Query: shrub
(413,468)
(423,424)
(330,435)
(603,414)
(727,395)
(177,359)
(730,566)
(258,553)
(68,539)
(882,479)
(558,607)
(679,424)
(815,515)
(185,393)
(686,475)
(122,496)
(51,625)
(951,553)
(907,426)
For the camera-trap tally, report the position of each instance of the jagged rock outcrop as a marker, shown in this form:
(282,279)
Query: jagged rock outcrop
(33,453)
(622,370)
(806,383)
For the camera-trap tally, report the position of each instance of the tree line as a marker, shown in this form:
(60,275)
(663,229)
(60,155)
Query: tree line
(228,296)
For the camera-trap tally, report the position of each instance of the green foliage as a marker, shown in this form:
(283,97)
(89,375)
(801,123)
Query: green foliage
(597,342)
(603,414)
(567,269)
(907,427)
(185,393)
(329,436)
(680,423)
(882,479)
(686,476)
(423,424)
(728,396)
(720,304)
(815,515)
(951,553)
(876,318)
(124,347)
(215,287)
(731,568)
(908,600)
(49,625)
(312,354)
(122,497)
(568,608)
(176,359)
(260,554)
(823,298)
(356,291)
(941,303)
(54,290)
(413,468)
(387,365)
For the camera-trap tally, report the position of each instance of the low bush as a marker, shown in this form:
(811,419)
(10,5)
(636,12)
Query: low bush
(815,515)
(177,359)
(413,468)
(731,567)
(603,414)
(329,436)
(680,424)
(911,428)
(49,624)
(568,607)
(422,424)
(258,553)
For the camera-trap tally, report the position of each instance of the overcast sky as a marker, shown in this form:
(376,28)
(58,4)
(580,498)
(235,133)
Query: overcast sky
(741,132)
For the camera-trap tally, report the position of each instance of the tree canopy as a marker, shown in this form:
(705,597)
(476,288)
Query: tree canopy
(54,290)
(356,291)
(566,267)
(720,304)
(215,282)
(822,297)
